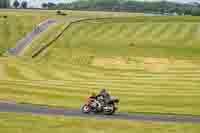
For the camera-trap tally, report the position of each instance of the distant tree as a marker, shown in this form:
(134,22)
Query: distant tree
(61,6)
(1,4)
(24,4)
(44,5)
(195,11)
(7,3)
(51,5)
(16,4)
(4,3)
(187,11)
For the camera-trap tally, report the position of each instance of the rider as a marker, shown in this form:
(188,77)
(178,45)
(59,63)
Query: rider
(105,95)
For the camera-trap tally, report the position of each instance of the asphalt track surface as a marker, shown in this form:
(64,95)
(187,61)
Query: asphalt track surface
(41,110)
(29,37)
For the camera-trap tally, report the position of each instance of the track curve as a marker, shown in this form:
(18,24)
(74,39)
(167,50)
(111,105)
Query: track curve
(27,108)
(24,42)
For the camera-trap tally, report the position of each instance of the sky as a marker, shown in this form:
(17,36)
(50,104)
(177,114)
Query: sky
(36,3)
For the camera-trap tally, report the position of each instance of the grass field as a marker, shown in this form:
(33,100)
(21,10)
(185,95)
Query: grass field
(134,37)
(137,36)
(50,124)
(73,13)
(150,63)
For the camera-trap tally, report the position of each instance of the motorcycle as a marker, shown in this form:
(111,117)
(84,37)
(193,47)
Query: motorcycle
(98,105)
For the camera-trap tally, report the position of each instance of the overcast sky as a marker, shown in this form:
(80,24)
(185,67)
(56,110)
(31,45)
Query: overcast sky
(39,2)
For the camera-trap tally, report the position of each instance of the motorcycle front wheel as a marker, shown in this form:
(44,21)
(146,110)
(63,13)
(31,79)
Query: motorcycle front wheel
(85,109)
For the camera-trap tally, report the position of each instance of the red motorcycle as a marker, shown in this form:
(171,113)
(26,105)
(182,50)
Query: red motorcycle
(99,105)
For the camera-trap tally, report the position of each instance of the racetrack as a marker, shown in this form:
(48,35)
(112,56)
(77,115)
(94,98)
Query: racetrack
(41,110)
(29,37)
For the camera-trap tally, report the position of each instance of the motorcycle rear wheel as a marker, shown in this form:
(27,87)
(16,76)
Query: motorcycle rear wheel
(109,112)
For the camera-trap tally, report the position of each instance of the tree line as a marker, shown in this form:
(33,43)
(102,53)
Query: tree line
(161,7)
(15,4)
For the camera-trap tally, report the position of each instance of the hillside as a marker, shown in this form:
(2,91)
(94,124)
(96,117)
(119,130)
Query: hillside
(136,36)
(151,64)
